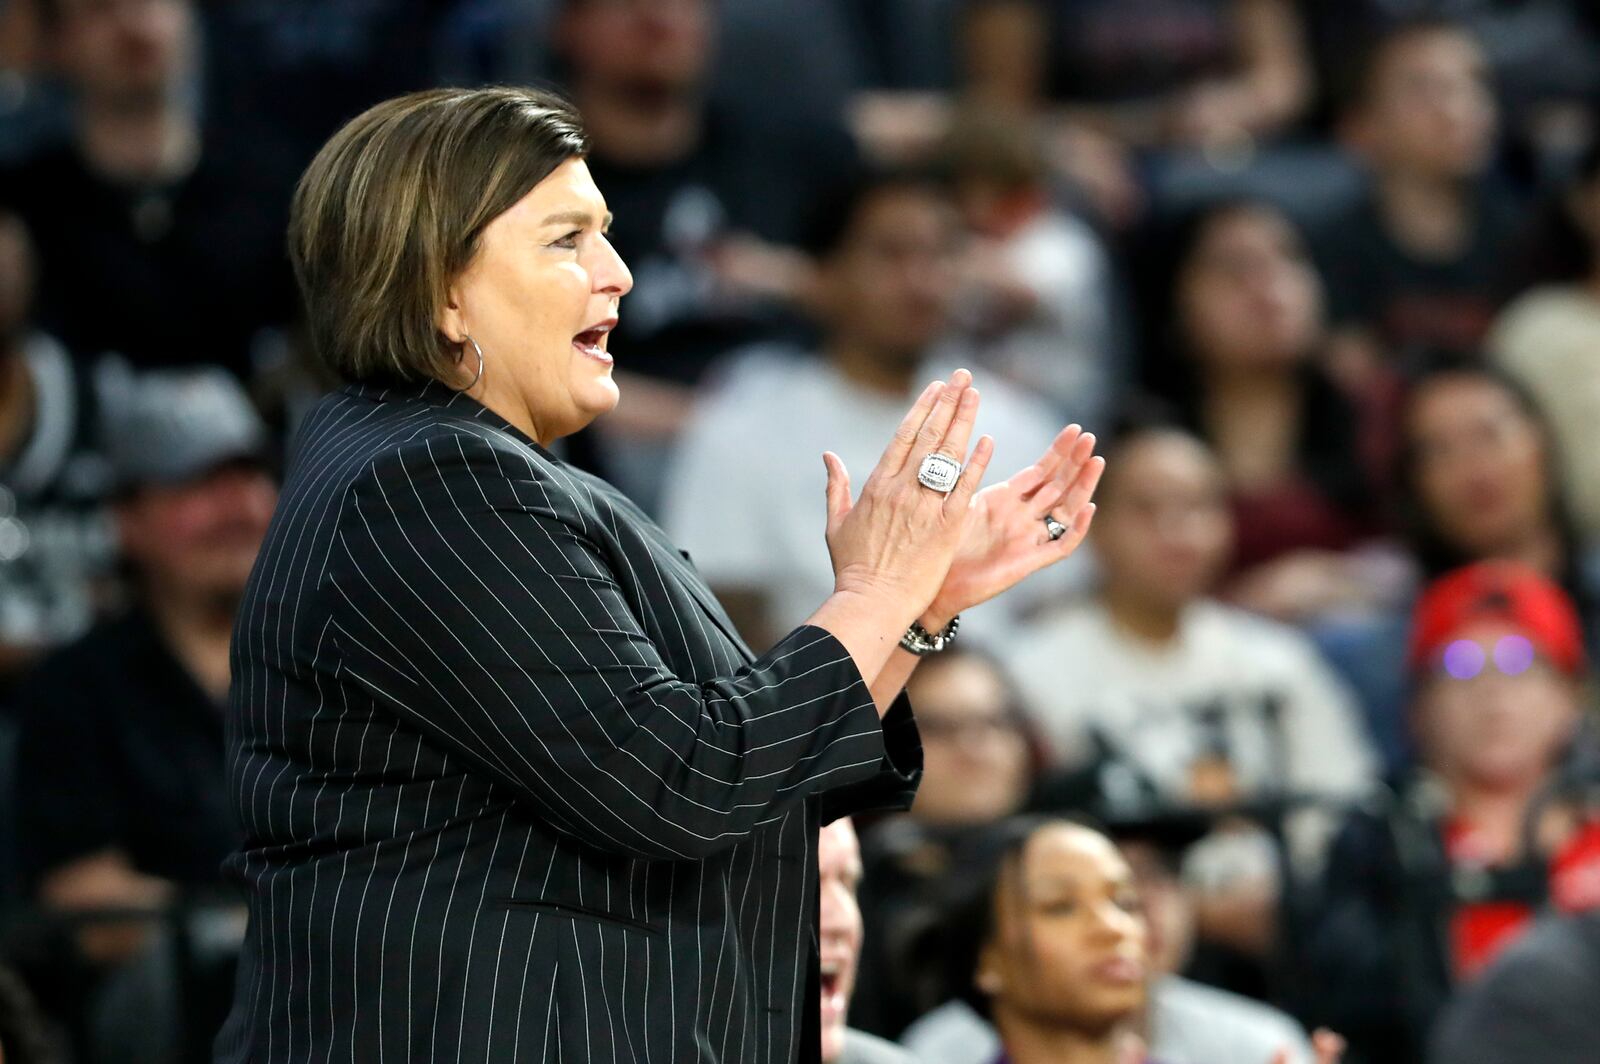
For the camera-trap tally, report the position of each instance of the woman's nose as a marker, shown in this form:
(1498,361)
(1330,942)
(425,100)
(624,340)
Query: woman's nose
(611,275)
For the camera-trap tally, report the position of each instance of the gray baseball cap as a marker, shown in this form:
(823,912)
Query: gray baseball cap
(174,425)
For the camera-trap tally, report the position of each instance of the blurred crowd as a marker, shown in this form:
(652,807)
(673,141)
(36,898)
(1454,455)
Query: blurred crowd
(1303,738)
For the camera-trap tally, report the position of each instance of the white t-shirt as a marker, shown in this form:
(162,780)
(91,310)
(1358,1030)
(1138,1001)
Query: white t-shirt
(745,492)
(1230,683)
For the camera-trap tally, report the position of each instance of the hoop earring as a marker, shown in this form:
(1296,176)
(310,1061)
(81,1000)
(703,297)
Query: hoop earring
(479,375)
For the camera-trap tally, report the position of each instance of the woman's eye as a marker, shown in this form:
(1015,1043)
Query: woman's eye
(568,241)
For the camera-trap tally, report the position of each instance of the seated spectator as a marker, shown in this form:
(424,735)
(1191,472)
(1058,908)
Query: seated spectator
(1240,304)
(682,176)
(1036,299)
(120,757)
(839,936)
(1543,58)
(1168,698)
(1056,951)
(885,251)
(57,541)
(1416,262)
(1207,704)
(1549,337)
(1537,1002)
(1186,1022)
(1481,477)
(149,244)
(1424,888)
(977,770)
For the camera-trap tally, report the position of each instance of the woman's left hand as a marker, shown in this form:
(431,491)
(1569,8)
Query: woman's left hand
(1006,538)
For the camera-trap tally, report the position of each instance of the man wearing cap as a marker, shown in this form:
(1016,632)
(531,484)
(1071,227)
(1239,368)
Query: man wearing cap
(1427,886)
(120,794)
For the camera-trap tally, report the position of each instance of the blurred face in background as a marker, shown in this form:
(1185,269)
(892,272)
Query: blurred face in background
(1429,107)
(975,766)
(1478,464)
(1163,531)
(650,48)
(839,928)
(887,287)
(1248,296)
(125,51)
(1069,946)
(200,537)
(1169,914)
(1498,727)
(16,281)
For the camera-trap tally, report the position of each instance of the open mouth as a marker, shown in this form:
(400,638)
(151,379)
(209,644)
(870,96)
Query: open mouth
(591,341)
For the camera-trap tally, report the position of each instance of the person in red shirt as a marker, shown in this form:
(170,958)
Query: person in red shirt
(1427,886)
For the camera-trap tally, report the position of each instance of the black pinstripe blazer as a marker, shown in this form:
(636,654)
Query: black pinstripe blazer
(512,787)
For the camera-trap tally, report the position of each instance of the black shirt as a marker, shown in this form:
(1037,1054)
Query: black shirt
(119,748)
(168,273)
(1412,303)
(669,220)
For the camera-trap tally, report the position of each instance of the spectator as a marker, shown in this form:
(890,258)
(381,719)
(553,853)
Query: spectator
(977,770)
(57,542)
(1241,304)
(1187,1023)
(1481,478)
(1542,56)
(1548,338)
(1535,1003)
(839,930)
(1425,888)
(1415,263)
(1208,704)
(885,251)
(120,757)
(1038,299)
(684,179)
(1169,698)
(149,244)
(1061,962)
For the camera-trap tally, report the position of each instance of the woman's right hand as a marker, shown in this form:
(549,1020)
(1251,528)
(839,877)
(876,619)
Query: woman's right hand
(895,543)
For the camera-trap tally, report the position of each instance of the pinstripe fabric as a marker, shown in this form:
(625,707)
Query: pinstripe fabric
(512,788)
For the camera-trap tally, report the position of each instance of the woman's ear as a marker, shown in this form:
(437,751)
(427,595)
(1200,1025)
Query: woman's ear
(449,320)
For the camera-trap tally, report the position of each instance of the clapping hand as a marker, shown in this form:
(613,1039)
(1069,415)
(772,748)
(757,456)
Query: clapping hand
(1007,538)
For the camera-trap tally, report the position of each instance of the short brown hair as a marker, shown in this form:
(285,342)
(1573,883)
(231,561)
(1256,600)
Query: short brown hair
(391,210)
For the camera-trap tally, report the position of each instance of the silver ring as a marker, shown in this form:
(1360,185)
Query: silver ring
(1055,528)
(939,472)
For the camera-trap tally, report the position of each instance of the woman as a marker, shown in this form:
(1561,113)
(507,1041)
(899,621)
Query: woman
(1058,952)
(1240,362)
(512,788)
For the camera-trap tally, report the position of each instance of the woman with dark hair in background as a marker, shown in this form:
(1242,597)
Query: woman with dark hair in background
(1242,304)
(1549,338)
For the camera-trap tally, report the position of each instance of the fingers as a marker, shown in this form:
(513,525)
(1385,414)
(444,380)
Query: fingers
(944,411)
(1029,480)
(838,491)
(1067,499)
(905,436)
(1073,537)
(955,440)
(971,475)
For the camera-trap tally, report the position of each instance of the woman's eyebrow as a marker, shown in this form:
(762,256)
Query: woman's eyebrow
(574,218)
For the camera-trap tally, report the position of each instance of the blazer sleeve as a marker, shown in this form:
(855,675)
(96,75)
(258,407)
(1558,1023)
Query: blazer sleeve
(469,597)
